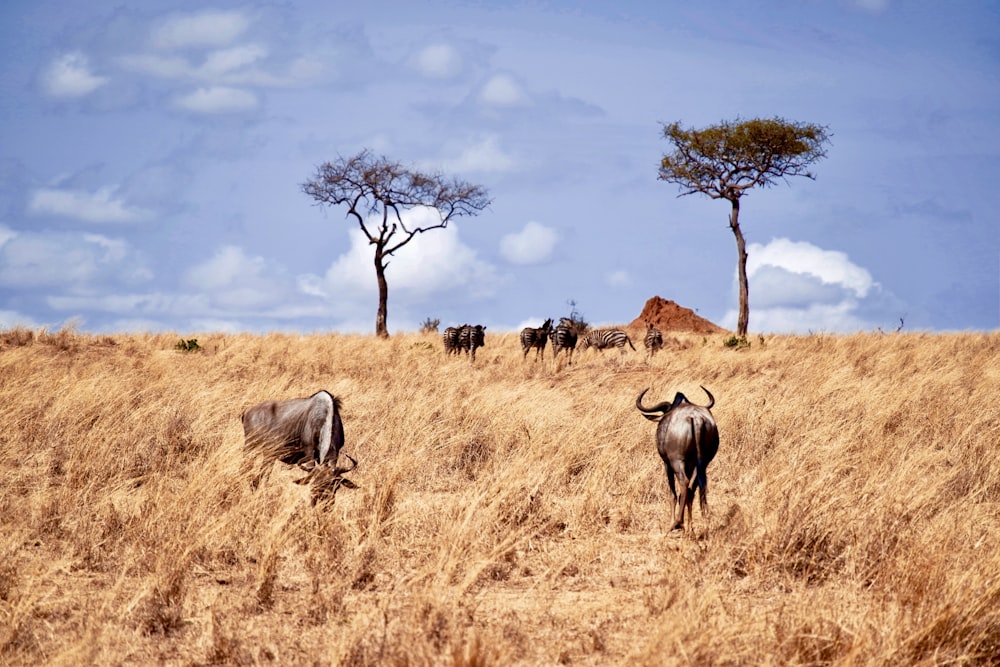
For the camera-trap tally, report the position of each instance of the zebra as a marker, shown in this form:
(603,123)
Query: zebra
(536,338)
(653,340)
(450,338)
(563,338)
(471,337)
(605,338)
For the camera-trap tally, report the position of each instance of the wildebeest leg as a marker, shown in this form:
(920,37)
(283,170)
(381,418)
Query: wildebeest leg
(673,492)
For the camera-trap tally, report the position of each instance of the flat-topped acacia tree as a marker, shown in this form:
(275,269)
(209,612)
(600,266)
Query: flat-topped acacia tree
(725,161)
(377,192)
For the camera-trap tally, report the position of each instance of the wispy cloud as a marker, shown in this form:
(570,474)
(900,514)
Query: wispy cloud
(101,206)
(532,245)
(503,90)
(210,28)
(619,278)
(483,155)
(218,99)
(69,260)
(69,75)
(438,61)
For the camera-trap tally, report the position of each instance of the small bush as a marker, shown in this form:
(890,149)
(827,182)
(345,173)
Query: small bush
(736,342)
(189,345)
(430,326)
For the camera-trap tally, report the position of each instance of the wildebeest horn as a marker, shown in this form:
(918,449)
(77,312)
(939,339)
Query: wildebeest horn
(648,413)
(341,471)
(711,399)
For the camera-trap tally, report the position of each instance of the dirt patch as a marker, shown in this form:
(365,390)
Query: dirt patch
(666,315)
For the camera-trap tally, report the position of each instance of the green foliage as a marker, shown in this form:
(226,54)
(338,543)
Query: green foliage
(736,342)
(189,345)
(430,326)
(724,160)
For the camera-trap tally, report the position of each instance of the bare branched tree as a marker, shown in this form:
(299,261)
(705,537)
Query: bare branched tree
(377,192)
(725,161)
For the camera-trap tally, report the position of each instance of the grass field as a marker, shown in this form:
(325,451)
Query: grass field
(509,512)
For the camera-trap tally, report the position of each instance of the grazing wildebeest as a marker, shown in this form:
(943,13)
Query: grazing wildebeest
(563,338)
(450,338)
(536,338)
(687,439)
(471,337)
(604,338)
(653,340)
(307,432)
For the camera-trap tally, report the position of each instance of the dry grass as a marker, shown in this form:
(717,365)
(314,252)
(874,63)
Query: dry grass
(508,512)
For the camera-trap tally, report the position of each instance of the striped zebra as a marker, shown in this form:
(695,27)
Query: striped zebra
(471,337)
(450,338)
(653,340)
(601,339)
(535,338)
(563,338)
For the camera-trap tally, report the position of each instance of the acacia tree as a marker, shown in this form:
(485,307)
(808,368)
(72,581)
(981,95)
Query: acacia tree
(724,161)
(377,191)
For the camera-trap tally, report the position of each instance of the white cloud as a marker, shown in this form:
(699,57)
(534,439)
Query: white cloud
(203,29)
(873,6)
(70,76)
(531,245)
(73,261)
(828,266)
(218,99)
(224,61)
(433,263)
(438,61)
(797,287)
(100,206)
(503,90)
(232,280)
(486,155)
(619,278)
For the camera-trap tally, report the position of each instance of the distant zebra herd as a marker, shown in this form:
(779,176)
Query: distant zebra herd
(466,338)
(564,337)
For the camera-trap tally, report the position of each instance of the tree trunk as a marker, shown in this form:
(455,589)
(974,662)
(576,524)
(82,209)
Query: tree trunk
(383,296)
(743,320)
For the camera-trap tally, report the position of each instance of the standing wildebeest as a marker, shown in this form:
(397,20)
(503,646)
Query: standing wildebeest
(306,432)
(604,338)
(450,338)
(653,340)
(536,338)
(687,439)
(471,337)
(563,338)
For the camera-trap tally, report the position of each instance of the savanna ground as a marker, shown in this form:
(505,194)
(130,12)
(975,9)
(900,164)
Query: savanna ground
(509,512)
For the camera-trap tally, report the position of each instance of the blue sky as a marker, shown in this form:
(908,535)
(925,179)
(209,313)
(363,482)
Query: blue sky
(152,155)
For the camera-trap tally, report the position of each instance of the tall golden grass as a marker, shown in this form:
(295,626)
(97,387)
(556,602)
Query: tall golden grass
(509,512)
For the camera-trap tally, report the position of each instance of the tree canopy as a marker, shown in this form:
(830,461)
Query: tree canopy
(378,191)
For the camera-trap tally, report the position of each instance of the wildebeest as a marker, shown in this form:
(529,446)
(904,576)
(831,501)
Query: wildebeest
(605,338)
(306,432)
(563,338)
(687,439)
(653,340)
(536,338)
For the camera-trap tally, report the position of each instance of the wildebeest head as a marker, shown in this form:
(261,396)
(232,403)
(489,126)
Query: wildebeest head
(325,481)
(687,440)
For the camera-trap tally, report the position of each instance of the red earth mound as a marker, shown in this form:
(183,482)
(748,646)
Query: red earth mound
(668,316)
